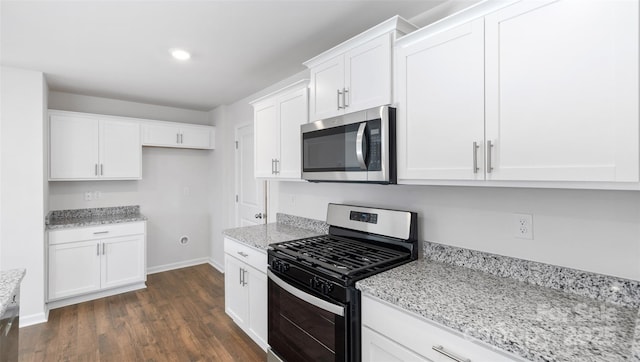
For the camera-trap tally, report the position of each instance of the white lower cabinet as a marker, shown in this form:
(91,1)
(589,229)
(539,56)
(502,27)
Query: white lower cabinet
(391,334)
(245,289)
(96,259)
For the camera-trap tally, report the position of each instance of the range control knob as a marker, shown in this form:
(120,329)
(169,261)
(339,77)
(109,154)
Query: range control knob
(279,266)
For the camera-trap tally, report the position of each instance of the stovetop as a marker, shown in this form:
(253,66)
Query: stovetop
(347,258)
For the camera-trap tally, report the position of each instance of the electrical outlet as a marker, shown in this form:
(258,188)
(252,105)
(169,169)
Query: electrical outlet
(523,226)
(88,196)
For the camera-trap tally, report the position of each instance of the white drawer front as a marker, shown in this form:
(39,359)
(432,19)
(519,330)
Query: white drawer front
(247,254)
(421,336)
(95,232)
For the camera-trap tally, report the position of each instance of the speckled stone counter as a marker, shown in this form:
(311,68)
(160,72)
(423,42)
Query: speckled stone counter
(9,282)
(286,228)
(61,219)
(532,321)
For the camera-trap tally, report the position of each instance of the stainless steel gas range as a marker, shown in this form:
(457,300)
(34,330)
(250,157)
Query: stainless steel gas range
(314,307)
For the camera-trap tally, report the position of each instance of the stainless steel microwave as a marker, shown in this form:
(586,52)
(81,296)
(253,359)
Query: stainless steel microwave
(355,147)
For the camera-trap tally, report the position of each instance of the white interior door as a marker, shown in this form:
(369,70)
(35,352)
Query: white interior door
(250,193)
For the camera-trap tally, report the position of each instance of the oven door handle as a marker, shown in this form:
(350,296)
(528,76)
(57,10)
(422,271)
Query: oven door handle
(320,303)
(360,145)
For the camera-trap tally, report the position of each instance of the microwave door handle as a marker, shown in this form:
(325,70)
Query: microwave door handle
(360,145)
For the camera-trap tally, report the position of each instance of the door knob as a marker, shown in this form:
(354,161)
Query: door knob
(258,215)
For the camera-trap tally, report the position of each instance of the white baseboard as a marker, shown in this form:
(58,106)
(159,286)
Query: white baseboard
(84,298)
(178,265)
(216,265)
(29,320)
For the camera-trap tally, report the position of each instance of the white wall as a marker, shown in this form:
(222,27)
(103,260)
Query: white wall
(22,188)
(597,231)
(173,193)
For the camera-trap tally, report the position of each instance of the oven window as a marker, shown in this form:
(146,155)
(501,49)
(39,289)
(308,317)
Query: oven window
(332,149)
(300,331)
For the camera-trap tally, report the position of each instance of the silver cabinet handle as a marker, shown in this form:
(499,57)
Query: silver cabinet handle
(244,255)
(489,149)
(98,249)
(441,350)
(101,169)
(240,275)
(475,157)
(103,249)
(277,166)
(244,277)
(339,94)
(273,162)
(344,97)
(360,145)
(101,232)
(181,138)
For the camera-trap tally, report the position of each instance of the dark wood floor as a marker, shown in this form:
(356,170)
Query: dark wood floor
(179,317)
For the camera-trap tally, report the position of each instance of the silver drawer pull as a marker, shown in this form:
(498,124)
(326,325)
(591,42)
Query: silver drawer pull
(454,357)
(244,255)
(101,232)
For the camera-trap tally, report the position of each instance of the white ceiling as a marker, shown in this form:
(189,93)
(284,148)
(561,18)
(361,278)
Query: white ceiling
(120,49)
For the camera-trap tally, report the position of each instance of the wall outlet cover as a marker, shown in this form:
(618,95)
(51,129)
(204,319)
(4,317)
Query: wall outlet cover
(523,226)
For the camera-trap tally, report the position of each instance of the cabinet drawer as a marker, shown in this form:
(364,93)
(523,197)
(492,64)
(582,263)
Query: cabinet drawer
(247,254)
(419,335)
(95,232)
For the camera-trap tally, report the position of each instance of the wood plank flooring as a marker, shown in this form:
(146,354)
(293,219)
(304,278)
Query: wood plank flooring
(179,317)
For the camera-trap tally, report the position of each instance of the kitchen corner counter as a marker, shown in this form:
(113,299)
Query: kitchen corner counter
(531,321)
(260,236)
(62,219)
(9,283)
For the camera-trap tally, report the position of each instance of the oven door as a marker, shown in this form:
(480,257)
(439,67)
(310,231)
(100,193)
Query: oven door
(304,327)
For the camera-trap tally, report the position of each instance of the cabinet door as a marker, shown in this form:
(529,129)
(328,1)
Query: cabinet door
(377,348)
(327,79)
(123,261)
(160,134)
(120,150)
(562,91)
(257,285)
(73,147)
(293,110)
(236,296)
(265,123)
(367,74)
(441,112)
(74,268)
(196,137)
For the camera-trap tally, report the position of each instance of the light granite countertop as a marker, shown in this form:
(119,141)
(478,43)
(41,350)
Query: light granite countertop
(9,282)
(260,236)
(62,219)
(531,321)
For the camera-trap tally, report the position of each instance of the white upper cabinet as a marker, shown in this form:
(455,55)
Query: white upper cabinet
(535,94)
(441,117)
(277,120)
(89,147)
(177,135)
(120,149)
(356,74)
(265,125)
(562,91)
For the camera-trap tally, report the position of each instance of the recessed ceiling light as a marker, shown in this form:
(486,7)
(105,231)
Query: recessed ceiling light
(180,54)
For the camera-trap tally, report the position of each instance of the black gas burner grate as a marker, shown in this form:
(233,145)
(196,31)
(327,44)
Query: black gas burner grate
(343,256)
